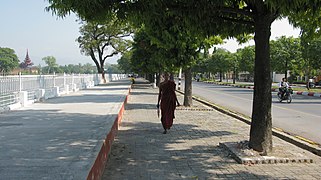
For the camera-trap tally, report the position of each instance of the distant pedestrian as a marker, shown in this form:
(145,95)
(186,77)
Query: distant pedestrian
(197,77)
(310,84)
(167,99)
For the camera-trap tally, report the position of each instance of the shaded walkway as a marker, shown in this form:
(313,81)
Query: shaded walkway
(191,148)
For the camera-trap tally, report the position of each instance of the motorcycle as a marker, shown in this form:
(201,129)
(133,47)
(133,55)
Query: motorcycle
(286,96)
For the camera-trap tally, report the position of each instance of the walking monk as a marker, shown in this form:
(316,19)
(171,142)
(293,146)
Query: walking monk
(168,100)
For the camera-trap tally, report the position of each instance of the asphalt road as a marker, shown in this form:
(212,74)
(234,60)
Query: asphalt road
(301,118)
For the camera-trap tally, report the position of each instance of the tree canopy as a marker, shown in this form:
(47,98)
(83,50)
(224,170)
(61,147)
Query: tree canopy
(285,54)
(8,60)
(101,41)
(51,62)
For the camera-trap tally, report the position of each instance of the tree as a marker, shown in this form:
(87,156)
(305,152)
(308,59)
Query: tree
(225,17)
(8,60)
(124,62)
(52,65)
(246,58)
(144,57)
(102,41)
(285,54)
(113,69)
(252,16)
(179,45)
(220,62)
(311,52)
(88,68)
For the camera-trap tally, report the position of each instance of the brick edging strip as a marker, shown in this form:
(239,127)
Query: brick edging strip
(98,167)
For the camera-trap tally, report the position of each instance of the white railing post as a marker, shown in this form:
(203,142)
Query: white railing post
(154,84)
(20,82)
(72,79)
(64,80)
(54,79)
(179,79)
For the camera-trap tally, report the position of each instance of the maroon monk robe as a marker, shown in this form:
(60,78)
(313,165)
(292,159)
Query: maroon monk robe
(168,103)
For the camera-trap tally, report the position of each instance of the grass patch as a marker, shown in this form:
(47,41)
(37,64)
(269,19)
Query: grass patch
(295,88)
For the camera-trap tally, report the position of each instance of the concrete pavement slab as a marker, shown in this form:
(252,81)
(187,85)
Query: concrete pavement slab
(61,137)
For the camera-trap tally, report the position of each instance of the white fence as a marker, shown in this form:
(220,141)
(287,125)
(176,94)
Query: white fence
(20,90)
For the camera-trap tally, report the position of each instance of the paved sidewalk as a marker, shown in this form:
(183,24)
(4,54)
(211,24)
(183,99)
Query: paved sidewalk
(61,137)
(191,148)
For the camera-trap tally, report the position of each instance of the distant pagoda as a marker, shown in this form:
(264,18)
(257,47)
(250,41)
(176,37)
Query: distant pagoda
(27,62)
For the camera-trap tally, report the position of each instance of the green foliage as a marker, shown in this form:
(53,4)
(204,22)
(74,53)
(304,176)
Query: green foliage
(312,52)
(103,40)
(170,32)
(146,57)
(51,63)
(246,58)
(306,16)
(78,68)
(113,69)
(220,62)
(286,54)
(124,63)
(8,60)
(201,64)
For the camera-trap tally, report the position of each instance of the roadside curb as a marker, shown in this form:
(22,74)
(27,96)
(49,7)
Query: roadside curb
(304,93)
(275,131)
(98,167)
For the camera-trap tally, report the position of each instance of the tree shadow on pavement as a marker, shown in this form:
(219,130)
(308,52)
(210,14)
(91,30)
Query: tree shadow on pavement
(143,152)
(86,98)
(141,106)
(144,93)
(144,86)
(108,89)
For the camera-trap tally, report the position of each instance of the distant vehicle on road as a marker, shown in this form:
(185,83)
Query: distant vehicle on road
(286,96)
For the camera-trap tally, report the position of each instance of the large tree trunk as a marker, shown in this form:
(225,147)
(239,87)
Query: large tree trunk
(261,125)
(234,74)
(286,70)
(103,77)
(188,101)
(102,70)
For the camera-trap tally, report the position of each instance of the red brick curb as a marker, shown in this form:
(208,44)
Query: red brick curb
(98,167)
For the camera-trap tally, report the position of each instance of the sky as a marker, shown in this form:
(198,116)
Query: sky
(26,25)
(279,28)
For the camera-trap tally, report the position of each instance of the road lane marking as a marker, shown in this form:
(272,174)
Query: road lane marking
(247,119)
(225,94)
(276,128)
(297,111)
(306,140)
(276,106)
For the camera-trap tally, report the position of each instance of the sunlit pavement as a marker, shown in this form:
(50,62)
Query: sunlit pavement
(60,138)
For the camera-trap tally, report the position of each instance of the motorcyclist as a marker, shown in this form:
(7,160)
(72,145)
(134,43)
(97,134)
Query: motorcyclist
(283,85)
